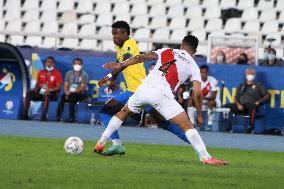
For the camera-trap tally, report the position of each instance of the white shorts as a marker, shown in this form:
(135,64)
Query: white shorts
(154,95)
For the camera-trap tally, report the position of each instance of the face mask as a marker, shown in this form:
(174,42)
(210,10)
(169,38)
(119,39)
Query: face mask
(265,55)
(49,69)
(271,57)
(77,67)
(250,77)
(220,58)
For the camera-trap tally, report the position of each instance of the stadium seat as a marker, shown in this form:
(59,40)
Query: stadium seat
(175,10)
(12,14)
(214,25)
(251,26)
(265,4)
(65,5)
(31,5)
(210,3)
(178,34)
(233,25)
(139,9)
(244,4)
(202,50)
(157,10)
(140,21)
(196,24)
(68,16)
(142,33)
(17,40)
(87,18)
(276,36)
(280,6)
(225,4)
(250,14)
(104,19)
(173,2)
(217,34)
(50,27)
(48,15)
(281,16)
(102,7)
(200,34)
(161,34)
(191,3)
(213,12)
(31,15)
(33,27)
(69,28)
(193,12)
(12,5)
(14,26)
(49,42)
(137,1)
(267,15)
(70,43)
(105,31)
(85,6)
(153,2)
(178,22)
(158,22)
(270,27)
(88,29)
(121,8)
(88,44)
(108,45)
(124,17)
(49,5)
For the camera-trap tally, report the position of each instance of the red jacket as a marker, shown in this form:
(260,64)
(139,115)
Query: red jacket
(51,79)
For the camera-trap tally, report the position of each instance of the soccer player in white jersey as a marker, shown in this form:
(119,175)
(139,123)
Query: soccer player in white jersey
(173,67)
(211,99)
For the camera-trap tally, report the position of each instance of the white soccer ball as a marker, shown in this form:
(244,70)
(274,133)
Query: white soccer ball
(74,145)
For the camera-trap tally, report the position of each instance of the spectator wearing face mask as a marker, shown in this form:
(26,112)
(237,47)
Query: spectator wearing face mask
(221,58)
(270,59)
(250,96)
(242,59)
(47,87)
(75,89)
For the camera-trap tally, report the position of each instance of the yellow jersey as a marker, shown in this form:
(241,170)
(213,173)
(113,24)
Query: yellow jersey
(134,74)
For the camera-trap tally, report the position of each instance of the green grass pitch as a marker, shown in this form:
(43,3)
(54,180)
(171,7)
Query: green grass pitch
(42,163)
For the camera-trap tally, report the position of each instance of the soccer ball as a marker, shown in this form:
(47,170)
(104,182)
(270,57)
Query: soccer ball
(74,145)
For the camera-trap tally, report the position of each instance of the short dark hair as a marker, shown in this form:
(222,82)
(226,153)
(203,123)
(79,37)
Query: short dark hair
(191,41)
(204,67)
(77,59)
(51,58)
(121,25)
(153,64)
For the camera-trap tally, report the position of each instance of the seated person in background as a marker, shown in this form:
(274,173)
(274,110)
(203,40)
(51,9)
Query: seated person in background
(221,58)
(242,59)
(47,87)
(210,98)
(75,89)
(249,97)
(270,59)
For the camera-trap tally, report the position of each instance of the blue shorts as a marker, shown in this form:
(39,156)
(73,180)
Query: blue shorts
(122,98)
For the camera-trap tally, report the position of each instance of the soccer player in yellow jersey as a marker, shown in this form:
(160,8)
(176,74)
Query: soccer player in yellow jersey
(133,75)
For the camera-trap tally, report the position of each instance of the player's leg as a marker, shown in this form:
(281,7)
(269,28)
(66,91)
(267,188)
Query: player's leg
(191,109)
(210,112)
(112,127)
(167,125)
(172,111)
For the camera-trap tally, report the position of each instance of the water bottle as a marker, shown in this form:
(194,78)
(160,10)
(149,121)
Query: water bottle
(93,120)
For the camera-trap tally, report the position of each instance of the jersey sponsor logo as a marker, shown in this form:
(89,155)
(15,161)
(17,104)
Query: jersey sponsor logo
(171,74)
(7,79)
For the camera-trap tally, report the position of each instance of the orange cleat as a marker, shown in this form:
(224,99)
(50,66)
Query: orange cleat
(213,161)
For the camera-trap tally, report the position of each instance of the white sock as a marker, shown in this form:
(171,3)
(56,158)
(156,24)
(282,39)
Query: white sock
(190,113)
(112,126)
(210,113)
(116,142)
(197,143)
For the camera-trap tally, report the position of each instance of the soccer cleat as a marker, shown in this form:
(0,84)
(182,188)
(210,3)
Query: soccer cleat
(99,148)
(213,161)
(114,150)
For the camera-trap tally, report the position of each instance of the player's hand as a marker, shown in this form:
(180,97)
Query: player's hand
(112,65)
(240,107)
(112,86)
(199,120)
(103,81)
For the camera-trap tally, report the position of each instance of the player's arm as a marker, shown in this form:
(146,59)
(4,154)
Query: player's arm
(213,96)
(198,100)
(66,88)
(131,61)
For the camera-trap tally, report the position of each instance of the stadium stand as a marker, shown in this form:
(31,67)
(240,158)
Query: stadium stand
(159,19)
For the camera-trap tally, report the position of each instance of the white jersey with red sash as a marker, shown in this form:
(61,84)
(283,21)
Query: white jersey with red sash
(209,86)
